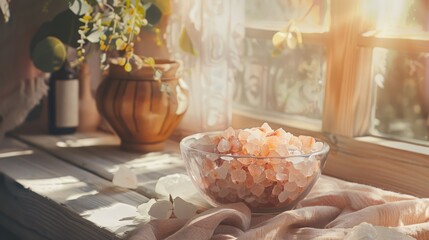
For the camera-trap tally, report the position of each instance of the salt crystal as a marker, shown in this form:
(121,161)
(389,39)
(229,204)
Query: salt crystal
(282,149)
(222,183)
(228,133)
(266,128)
(223,170)
(271,174)
(243,135)
(317,146)
(272,142)
(307,142)
(212,156)
(281,176)
(277,189)
(214,188)
(257,189)
(251,149)
(283,196)
(246,161)
(235,144)
(223,192)
(296,161)
(259,178)
(250,199)
(301,181)
(265,150)
(274,154)
(238,175)
(279,168)
(241,192)
(236,164)
(295,141)
(255,170)
(207,165)
(292,176)
(296,153)
(289,186)
(249,181)
(223,146)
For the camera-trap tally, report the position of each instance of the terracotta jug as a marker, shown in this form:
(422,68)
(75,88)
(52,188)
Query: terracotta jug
(143,111)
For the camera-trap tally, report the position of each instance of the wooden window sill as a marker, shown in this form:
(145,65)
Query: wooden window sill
(56,186)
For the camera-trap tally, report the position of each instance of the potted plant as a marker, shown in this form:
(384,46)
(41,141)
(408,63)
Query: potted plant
(143,99)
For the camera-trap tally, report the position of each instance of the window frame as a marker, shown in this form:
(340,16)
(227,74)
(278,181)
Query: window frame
(355,155)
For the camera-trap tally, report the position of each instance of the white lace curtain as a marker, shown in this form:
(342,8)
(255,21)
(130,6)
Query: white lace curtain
(216,30)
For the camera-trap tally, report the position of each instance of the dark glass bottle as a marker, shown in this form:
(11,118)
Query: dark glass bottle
(63,101)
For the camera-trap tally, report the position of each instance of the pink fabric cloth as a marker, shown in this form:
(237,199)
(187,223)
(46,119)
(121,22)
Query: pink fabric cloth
(334,209)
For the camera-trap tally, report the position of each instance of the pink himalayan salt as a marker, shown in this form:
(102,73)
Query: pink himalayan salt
(307,142)
(317,146)
(290,186)
(243,135)
(251,149)
(261,182)
(277,189)
(259,178)
(281,176)
(223,146)
(255,170)
(246,161)
(283,196)
(228,133)
(235,144)
(257,189)
(238,175)
(266,128)
(295,141)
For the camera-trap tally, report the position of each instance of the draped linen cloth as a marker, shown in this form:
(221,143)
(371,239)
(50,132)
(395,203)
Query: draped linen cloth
(334,209)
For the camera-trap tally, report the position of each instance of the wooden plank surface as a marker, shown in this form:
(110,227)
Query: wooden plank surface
(61,201)
(99,153)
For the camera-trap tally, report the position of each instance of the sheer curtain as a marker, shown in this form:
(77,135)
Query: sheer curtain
(215,29)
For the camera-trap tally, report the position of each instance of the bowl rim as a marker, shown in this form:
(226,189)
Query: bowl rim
(325,149)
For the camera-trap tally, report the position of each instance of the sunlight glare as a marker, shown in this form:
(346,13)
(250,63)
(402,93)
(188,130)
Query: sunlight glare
(15,153)
(113,216)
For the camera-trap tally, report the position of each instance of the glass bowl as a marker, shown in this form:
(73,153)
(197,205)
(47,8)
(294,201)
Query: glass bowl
(265,184)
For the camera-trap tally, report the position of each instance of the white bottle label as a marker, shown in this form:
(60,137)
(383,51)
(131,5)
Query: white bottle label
(67,103)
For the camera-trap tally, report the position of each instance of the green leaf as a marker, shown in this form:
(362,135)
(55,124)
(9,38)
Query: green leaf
(49,54)
(153,14)
(185,43)
(65,27)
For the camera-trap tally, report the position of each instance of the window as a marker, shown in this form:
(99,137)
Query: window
(360,81)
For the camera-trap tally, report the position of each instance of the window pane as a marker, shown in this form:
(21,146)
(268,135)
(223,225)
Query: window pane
(310,15)
(291,84)
(397,18)
(401,82)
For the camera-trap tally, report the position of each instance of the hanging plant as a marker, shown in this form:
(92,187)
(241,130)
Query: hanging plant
(111,25)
